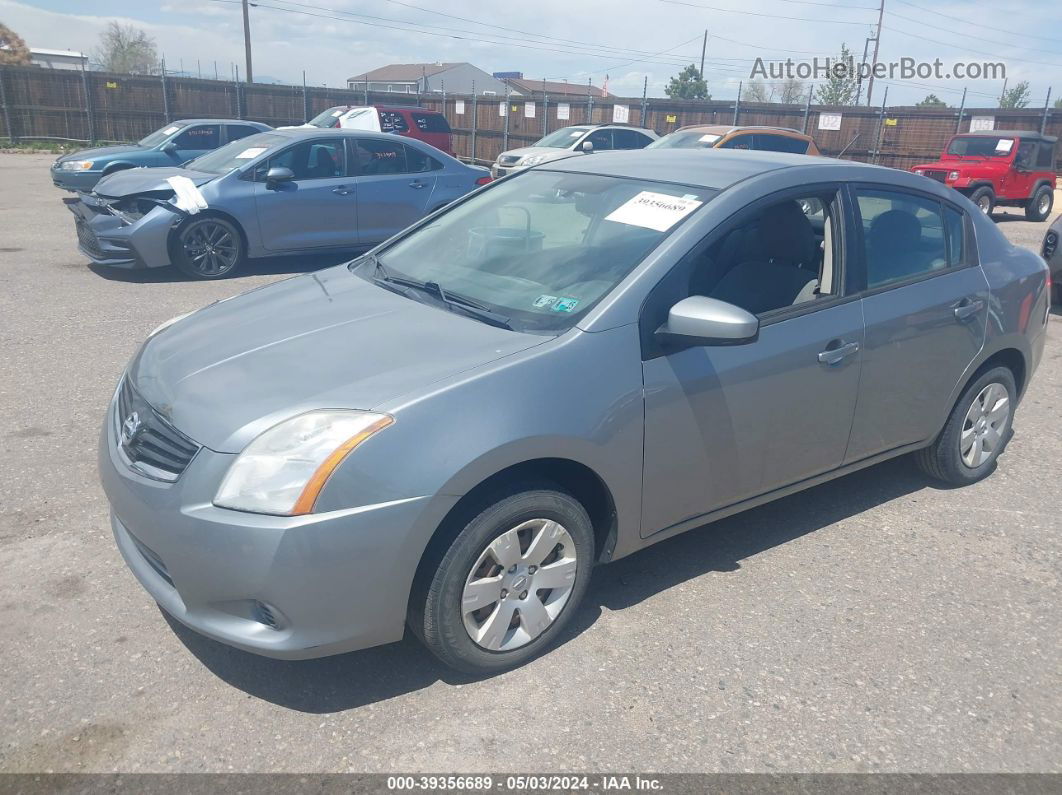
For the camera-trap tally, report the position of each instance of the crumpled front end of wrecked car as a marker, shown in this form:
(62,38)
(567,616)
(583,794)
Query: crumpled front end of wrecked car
(127,232)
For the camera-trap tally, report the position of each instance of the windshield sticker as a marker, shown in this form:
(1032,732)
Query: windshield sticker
(254,151)
(709,139)
(187,196)
(544,301)
(566,305)
(651,210)
(1003,145)
(170,130)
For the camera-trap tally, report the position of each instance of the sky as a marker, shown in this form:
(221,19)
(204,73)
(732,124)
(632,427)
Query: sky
(575,41)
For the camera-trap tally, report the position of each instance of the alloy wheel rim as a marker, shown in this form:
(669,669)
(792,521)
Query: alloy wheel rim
(519,585)
(982,430)
(211,248)
(1045,204)
(984,204)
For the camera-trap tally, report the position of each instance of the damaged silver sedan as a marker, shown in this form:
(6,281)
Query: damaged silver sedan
(276,193)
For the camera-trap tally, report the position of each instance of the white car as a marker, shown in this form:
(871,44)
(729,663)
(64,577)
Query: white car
(568,141)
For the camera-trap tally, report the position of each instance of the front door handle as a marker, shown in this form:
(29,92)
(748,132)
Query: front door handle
(343,190)
(416,184)
(967,308)
(835,355)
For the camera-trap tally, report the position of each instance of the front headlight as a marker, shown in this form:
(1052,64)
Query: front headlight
(283,470)
(76,165)
(952,176)
(532,160)
(920,172)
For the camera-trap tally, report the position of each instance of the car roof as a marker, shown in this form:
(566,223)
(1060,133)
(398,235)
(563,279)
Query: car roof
(705,168)
(222,121)
(1029,135)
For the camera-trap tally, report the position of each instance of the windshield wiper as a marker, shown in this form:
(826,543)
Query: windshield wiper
(453,301)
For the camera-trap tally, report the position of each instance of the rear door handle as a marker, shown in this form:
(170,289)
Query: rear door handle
(416,184)
(835,355)
(967,308)
(343,190)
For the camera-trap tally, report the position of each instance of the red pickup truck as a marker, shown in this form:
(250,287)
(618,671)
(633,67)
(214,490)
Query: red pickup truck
(999,168)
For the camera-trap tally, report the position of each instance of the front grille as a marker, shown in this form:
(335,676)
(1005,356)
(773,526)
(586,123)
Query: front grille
(1050,245)
(149,443)
(88,240)
(939,176)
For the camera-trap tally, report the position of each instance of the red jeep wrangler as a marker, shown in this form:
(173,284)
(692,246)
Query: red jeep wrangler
(1009,168)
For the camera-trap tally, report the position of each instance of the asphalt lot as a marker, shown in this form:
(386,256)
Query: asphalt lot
(878,623)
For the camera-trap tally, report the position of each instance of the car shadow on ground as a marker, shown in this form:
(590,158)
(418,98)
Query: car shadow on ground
(342,682)
(266,266)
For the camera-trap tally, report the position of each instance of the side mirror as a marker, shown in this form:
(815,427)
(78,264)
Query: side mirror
(278,175)
(699,320)
(587,147)
(169,148)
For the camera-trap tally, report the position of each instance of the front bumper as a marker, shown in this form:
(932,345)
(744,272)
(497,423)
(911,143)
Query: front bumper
(107,240)
(497,172)
(284,587)
(75,180)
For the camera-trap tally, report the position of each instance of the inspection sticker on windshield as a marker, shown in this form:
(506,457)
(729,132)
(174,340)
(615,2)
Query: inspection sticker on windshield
(657,211)
(566,305)
(254,151)
(544,301)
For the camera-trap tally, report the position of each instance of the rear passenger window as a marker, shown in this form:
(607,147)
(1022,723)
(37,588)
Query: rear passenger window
(377,157)
(418,161)
(392,121)
(238,131)
(630,139)
(431,122)
(781,143)
(903,236)
(1046,159)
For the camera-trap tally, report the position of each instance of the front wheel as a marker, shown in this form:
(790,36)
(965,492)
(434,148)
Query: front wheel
(509,582)
(985,199)
(976,433)
(207,248)
(1039,206)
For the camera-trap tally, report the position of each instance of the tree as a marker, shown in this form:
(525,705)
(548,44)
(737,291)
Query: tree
(13,50)
(758,91)
(843,83)
(792,92)
(932,101)
(124,48)
(1016,97)
(688,84)
(1058,104)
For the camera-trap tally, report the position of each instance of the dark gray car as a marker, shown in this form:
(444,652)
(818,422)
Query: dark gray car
(1052,253)
(280,192)
(450,432)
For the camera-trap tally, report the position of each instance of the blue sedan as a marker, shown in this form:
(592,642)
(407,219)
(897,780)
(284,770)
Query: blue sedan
(280,192)
(176,143)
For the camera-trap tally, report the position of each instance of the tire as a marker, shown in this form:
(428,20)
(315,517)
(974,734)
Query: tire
(946,459)
(1038,208)
(207,247)
(985,198)
(516,620)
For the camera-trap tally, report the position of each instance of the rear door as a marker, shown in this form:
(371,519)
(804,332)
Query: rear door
(196,140)
(395,183)
(318,209)
(630,139)
(1022,176)
(925,304)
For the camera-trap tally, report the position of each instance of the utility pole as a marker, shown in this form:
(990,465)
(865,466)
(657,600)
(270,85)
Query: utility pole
(247,41)
(877,43)
(704,47)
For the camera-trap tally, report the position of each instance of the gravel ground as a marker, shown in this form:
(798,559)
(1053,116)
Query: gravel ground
(878,623)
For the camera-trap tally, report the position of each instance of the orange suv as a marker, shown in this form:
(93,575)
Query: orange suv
(725,136)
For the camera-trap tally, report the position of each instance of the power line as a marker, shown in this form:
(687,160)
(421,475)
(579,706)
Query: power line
(761,14)
(978,38)
(967,49)
(977,24)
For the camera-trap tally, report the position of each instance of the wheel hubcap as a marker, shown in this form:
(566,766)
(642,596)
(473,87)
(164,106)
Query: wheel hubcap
(1045,203)
(210,248)
(984,204)
(982,430)
(519,585)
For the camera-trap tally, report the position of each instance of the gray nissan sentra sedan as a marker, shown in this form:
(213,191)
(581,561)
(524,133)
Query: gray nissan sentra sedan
(554,372)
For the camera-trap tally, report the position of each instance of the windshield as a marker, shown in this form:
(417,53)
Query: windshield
(328,118)
(238,153)
(563,138)
(161,134)
(689,139)
(542,248)
(980,146)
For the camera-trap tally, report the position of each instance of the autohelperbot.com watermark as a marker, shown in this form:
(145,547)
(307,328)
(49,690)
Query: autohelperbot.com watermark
(903,69)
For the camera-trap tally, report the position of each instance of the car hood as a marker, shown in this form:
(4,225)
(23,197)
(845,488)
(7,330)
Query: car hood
(329,339)
(142,180)
(553,154)
(101,151)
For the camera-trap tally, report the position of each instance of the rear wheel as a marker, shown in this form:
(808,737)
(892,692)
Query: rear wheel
(976,433)
(1039,206)
(509,582)
(207,248)
(985,199)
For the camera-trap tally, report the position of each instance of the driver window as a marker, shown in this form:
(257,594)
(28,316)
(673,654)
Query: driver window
(781,256)
(601,139)
(309,160)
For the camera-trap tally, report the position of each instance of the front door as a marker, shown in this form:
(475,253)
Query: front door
(926,312)
(395,183)
(727,423)
(317,209)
